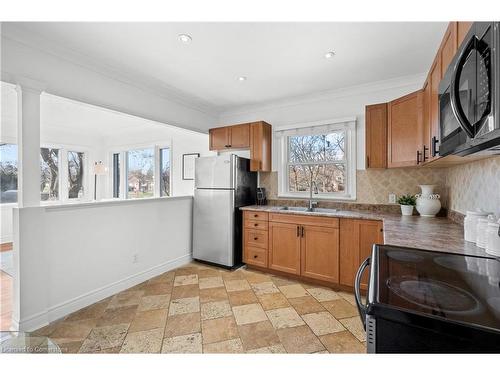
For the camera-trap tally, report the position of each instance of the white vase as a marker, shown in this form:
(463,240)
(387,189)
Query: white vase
(406,209)
(428,204)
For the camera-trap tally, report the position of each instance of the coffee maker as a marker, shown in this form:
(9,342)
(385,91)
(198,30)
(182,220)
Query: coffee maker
(261,196)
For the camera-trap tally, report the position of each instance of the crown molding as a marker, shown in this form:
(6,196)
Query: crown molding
(394,83)
(154,86)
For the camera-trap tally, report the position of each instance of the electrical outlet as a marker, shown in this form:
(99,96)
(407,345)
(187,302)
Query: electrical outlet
(392,198)
(135,258)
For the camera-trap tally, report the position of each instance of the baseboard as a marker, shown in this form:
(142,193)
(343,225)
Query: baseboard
(59,311)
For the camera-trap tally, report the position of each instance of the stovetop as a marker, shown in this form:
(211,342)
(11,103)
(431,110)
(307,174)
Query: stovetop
(460,288)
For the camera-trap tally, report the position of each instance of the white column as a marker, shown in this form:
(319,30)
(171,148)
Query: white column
(28,129)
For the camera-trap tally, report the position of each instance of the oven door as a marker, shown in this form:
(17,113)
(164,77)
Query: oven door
(471,89)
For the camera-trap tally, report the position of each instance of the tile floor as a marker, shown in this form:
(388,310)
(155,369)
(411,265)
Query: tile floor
(203,309)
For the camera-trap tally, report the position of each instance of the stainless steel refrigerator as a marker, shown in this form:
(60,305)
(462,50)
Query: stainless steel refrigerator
(222,185)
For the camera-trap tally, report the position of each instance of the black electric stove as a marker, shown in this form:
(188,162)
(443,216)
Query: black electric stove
(422,301)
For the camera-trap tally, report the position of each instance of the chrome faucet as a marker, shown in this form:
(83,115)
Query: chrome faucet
(312,204)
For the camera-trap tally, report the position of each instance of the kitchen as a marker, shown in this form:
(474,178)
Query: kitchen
(355,217)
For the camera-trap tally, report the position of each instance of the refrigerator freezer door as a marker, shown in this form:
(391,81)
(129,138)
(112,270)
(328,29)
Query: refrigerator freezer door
(213,223)
(215,172)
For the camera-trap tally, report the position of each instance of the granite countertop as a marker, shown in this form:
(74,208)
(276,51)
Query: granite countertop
(437,233)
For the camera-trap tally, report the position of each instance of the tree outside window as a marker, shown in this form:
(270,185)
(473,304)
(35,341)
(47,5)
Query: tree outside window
(75,174)
(164,172)
(319,158)
(140,173)
(49,174)
(8,173)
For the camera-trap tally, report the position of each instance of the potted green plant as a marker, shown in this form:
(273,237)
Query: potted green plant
(407,202)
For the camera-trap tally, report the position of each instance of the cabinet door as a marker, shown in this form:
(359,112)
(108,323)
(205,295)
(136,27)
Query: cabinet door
(240,136)
(434,79)
(320,253)
(376,135)
(370,233)
(260,146)
(448,47)
(404,130)
(426,121)
(284,247)
(463,28)
(356,241)
(219,138)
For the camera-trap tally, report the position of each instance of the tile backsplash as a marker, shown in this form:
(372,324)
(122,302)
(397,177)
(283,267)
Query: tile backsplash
(474,185)
(374,186)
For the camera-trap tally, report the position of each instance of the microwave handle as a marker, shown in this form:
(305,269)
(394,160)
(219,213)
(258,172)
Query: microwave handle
(357,291)
(464,123)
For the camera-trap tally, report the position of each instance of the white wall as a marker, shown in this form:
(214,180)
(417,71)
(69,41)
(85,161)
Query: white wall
(74,255)
(329,105)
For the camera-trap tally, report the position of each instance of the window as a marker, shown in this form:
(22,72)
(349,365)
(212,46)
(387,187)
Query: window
(49,174)
(164,172)
(75,174)
(323,154)
(116,175)
(8,173)
(140,173)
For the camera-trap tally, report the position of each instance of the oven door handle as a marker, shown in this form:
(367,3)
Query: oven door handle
(457,109)
(357,290)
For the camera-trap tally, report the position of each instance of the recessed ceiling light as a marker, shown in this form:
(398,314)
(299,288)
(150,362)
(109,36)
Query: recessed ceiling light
(329,55)
(185,38)
(242,78)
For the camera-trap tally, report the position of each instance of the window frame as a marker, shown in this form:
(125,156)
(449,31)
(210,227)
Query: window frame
(317,128)
(64,173)
(123,151)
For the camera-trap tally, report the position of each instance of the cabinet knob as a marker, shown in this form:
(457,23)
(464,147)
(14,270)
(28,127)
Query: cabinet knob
(256,225)
(256,215)
(255,238)
(255,256)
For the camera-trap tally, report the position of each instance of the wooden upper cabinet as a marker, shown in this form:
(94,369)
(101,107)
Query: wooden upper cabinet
(376,135)
(320,253)
(357,238)
(256,136)
(463,28)
(426,121)
(284,247)
(260,146)
(434,79)
(219,138)
(404,130)
(239,136)
(448,47)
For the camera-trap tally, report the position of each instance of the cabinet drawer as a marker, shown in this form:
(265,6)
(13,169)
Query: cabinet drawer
(255,224)
(255,256)
(322,221)
(256,238)
(256,215)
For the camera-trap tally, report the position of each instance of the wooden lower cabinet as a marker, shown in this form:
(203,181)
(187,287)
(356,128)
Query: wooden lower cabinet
(326,249)
(357,238)
(284,247)
(320,253)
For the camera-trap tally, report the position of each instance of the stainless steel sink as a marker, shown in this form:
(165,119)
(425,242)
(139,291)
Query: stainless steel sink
(305,209)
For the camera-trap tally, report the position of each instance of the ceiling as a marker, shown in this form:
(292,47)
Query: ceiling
(281,60)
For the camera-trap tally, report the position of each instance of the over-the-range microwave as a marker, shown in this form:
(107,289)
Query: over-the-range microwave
(469,95)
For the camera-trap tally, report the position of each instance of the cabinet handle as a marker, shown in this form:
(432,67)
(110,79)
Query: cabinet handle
(434,150)
(256,215)
(302,232)
(418,157)
(367,162)
(381,229)
(255,238)
(298,231)
(227,146)
(425,154)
